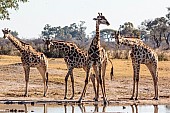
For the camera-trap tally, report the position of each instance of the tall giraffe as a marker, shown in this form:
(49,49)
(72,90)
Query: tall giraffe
(30,58)
(95,56)
(140,54)
(74,57)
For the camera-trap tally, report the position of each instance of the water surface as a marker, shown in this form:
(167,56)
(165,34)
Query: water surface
(54,108)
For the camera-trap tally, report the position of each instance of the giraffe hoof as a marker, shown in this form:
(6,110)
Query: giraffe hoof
(136,98)
(131,98)
(95,99)
(155,98)
(71,98)
(104,102)
(79,101)
(44,95)
(25,95)
(65,98)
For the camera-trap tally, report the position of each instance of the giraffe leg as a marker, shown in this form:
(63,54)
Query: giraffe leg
(27,71)
(155,108)
(136,108)
(86,81)
(92,78)
(72,81)
(134,78)
(97,78)
(65,108)
(66,79)
(137,80)
(133,111)
(81,108)
(96,110)
(46,81)
(44,74)
(103,75)
(133,90)
(154,73)
(101,83)
(104,108)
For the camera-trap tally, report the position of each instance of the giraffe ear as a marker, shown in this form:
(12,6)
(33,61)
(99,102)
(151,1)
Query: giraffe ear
(94,18)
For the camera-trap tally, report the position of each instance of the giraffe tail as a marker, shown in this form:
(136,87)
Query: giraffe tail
(47,78)
(111,71)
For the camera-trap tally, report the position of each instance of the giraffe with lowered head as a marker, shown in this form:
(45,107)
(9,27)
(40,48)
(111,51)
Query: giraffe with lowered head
(140,54)
(74,57)
(95,56)
(30,58)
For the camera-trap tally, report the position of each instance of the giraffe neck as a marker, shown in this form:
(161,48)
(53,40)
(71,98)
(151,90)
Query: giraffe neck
(64,47)
(97,31)
(130,42)
(96,39)
(18,44)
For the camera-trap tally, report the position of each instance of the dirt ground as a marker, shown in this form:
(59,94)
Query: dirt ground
(118,91)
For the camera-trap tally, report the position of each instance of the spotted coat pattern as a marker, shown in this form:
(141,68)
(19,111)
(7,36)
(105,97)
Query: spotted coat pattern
(74,58)
(140,54)
(30,58)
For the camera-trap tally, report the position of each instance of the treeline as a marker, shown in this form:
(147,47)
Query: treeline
(155,33)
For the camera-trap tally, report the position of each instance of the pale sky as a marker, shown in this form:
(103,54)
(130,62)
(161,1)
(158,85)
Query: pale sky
(31,17)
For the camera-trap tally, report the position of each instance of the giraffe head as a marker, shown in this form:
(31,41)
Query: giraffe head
(101,19)
(48,43)
(6,32)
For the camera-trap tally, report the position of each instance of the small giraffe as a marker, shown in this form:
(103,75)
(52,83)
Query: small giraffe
(30,58)
(140,54)
(95,56)
(74,57)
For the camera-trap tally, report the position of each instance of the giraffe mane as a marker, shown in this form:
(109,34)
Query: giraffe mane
(66,42)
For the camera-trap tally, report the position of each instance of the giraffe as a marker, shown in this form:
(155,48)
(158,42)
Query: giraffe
(30,58)
(140,54)
(74,57)
(95,57)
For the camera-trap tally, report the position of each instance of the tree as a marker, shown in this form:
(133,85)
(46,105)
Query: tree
(127,29)
(158,29)
(73,31)
(106,34)
(14,33)
(5,5)
(168,15)
(168,23)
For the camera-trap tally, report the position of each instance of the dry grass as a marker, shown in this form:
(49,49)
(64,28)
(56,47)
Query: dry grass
(122,67)
(13,84)
(6,60)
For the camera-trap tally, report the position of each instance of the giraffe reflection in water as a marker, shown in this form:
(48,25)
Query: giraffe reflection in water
(83,108)
(95,108)
(135,108)
(27,111)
